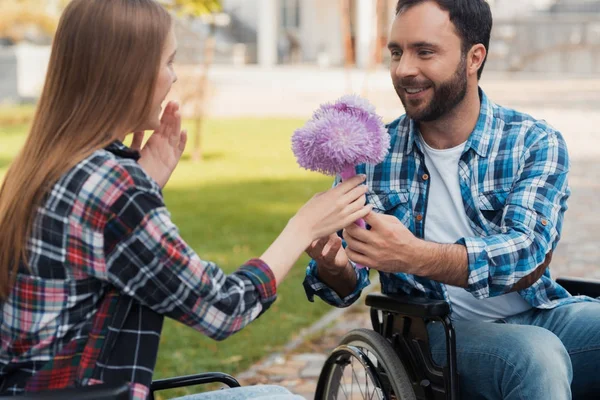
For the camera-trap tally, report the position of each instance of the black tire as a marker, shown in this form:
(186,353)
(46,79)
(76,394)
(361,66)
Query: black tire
(388,366)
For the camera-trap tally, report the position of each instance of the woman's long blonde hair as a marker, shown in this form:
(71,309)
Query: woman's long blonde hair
(100,84)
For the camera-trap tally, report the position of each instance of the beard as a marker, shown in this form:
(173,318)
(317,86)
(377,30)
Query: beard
(446,95)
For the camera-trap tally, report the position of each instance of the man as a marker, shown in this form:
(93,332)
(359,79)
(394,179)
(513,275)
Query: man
(469,207)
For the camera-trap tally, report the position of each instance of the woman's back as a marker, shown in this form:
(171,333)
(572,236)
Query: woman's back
(56,318)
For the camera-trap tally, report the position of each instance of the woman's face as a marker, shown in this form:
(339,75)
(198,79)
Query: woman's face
(166,78)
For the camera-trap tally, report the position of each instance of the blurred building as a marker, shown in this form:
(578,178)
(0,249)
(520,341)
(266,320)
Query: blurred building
(532,36)
(546,36)
(529,35)
(304,31)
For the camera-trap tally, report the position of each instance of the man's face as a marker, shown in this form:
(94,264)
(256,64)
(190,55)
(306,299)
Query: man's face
(428,68)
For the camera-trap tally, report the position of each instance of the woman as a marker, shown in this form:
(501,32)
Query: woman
(90,261)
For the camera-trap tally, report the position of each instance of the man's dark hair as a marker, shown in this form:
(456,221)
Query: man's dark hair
(472,19)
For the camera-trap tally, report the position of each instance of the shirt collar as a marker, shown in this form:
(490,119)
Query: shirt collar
(120,150)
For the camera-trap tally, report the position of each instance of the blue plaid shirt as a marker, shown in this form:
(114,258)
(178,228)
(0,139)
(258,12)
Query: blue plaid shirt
(513,180)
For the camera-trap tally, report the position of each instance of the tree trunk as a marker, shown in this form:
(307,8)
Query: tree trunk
(344,6)
(209,51)
(376,45)
(347,32)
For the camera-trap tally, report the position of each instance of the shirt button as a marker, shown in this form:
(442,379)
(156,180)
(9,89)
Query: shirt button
(419,217)
(425,177)
(544,222)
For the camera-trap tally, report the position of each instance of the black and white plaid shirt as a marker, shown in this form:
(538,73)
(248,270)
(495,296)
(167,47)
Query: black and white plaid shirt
(105,265)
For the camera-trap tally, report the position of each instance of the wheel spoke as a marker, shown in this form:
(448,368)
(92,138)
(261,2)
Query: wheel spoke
(344,384)
(352,381)
(367,389)
(358,380)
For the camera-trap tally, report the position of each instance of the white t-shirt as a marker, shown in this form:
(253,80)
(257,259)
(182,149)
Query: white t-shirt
(446,222)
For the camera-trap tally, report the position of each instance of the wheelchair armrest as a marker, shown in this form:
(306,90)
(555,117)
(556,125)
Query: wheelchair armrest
(197,379)
(102,391)
(577,286)
(409,306)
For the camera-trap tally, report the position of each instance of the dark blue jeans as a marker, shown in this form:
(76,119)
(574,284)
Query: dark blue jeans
(539,354)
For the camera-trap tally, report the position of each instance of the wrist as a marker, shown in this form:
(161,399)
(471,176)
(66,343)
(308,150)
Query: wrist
(333,270)
(332,276)
(421,255)
(300,230)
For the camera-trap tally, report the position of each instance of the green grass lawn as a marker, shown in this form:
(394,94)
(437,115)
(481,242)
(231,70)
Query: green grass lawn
(229,208)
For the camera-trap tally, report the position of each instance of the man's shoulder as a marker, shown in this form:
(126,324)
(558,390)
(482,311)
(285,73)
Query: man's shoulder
(513,124)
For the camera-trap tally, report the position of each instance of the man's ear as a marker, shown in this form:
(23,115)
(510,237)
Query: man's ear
(475,58)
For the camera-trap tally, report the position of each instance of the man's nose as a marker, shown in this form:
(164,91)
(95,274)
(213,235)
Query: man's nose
(407,67)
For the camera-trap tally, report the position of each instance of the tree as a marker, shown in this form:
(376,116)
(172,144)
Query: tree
(193,84)
(20,17)
(194,8)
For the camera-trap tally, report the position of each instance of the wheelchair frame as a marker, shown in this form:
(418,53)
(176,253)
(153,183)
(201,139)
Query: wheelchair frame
(402,321)
(120,391)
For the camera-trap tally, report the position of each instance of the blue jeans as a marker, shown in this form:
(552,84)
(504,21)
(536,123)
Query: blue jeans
(539,354)
(261,392)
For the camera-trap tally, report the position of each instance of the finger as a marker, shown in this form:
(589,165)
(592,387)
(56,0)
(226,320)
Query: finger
(375,219)
(356,193)
(174,130)
(331,256)
(168,111)
(357,246)
(138,138)
(357,215)
(183,141)
(358,234)
(316,248)
(351,183)
(171,108)
(169,117)
(331,249)
(356,205)
(360,258)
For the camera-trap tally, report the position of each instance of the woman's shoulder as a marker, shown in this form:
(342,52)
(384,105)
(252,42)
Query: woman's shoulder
(106,175)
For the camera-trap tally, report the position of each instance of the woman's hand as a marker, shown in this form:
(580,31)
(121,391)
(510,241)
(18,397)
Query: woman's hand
(333,210)
(164,148)
(321,216)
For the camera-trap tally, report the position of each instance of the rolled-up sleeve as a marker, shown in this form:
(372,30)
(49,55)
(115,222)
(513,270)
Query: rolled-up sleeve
(315,287)
(532,220)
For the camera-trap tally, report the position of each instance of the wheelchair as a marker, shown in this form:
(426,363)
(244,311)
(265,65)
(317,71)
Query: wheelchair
(121,391)
(393,361)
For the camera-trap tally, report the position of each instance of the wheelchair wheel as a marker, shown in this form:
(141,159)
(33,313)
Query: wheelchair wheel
(364,366)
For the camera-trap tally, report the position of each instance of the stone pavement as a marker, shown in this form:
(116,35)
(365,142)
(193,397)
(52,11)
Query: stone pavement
(298,366)
(571,105)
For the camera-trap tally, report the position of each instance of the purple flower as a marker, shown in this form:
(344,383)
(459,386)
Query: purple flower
(340,136)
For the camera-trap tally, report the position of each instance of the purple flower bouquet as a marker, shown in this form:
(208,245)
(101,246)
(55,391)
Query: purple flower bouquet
(340,136)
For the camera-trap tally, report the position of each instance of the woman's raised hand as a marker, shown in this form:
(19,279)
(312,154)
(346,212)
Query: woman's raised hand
(164,148)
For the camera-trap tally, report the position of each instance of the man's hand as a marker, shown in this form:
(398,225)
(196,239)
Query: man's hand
(162,151)
(388,247)
(333,266)
(329,253)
